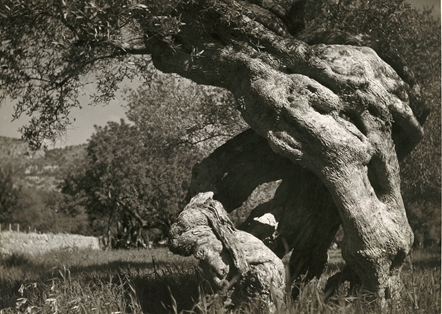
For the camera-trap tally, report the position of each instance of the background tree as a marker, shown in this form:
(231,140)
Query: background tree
(421,189)
(115,181)
(139,172)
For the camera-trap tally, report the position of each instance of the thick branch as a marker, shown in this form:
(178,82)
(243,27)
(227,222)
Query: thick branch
(229,257)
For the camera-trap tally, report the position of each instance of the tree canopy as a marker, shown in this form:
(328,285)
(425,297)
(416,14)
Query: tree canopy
(178,112)
(50,49)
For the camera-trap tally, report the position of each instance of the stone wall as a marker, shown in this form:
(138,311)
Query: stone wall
(35,244)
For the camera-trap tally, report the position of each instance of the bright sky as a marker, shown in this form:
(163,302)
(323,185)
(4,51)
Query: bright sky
(85,119)
(81,130)
(429,3)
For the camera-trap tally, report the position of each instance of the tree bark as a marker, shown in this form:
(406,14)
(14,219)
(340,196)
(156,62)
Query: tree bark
(229,257)
(359,169)
(339,111)
(305,216)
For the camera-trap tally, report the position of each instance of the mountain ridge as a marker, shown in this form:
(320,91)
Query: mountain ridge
(41,169)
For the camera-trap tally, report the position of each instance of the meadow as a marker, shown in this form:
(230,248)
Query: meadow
(156,281)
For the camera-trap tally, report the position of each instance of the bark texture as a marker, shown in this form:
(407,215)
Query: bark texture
(232,259)
(301,216)
(340,111)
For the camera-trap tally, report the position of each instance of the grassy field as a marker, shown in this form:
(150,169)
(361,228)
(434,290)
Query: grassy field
(74,281)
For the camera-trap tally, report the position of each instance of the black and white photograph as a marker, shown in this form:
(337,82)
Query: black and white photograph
(220,156)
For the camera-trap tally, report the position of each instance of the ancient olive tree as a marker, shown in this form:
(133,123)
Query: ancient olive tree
(328,104)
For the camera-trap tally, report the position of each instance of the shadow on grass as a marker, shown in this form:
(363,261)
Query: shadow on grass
(162,292)
(425,264)
(154,285)
(424,259)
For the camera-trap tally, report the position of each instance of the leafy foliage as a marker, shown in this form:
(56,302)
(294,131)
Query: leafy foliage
(193,114)
(421,184)
(46,77)
(115,173)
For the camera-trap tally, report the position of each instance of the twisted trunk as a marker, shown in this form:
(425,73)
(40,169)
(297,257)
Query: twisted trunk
(303,213)
(229,257)
(339,111)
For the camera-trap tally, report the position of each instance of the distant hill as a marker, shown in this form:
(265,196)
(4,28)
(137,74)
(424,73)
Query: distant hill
(16,148)
(42,169)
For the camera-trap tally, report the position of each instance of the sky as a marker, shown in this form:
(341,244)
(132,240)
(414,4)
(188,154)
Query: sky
(429,3)
(85,119)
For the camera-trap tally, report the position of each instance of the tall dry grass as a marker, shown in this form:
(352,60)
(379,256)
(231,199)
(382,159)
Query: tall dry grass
(74,281)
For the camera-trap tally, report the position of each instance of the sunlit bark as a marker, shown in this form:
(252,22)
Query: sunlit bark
(330,109)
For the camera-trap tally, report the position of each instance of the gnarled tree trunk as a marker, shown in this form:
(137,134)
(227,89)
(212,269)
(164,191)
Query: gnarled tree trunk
(229,257)
(304,213)
(339,111)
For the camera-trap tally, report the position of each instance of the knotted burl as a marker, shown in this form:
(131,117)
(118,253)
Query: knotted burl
(235,262)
